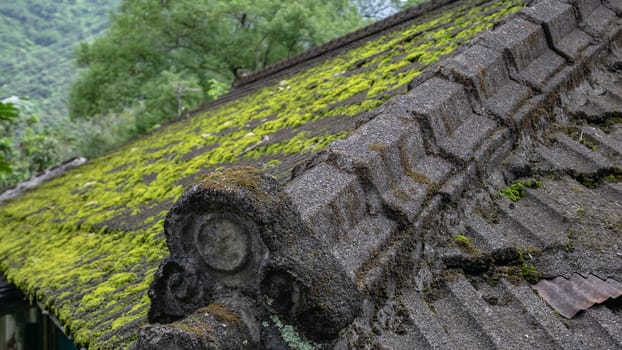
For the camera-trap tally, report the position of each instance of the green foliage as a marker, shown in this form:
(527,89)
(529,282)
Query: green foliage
(378,9)
(36,61)
(159,57)
(516,191)
(26,147)
(36,50)
(8,113)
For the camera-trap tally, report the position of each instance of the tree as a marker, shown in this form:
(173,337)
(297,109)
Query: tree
(377,9)
(156,43)
(8,114)
(26,145)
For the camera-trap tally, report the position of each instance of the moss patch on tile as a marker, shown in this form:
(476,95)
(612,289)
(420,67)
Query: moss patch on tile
(517,190)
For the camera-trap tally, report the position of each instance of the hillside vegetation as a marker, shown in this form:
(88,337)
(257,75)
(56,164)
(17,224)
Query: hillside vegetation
(97,73)
(37,46)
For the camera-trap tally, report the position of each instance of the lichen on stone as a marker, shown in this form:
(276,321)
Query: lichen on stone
(292,338)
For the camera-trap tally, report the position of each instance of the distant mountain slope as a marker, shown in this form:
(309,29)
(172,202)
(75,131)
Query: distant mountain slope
(37,39)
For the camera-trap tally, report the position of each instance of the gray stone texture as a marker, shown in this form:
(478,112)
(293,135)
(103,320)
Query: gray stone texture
(525,46)
(521,40)
(384,162)
(381,150)
(615,6)
(600,21)
(508,99)
(486,71)
(559,23)
(219,326)
(595,18)
(445,110)
(571,157)
(329,200)
(585,7)
(483,68)
(360,244)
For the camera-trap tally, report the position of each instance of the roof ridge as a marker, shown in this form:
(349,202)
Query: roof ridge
(252,80)
(40,177)
(339,42)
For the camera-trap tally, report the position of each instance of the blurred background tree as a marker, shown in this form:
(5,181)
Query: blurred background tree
(154,47)
(97,73)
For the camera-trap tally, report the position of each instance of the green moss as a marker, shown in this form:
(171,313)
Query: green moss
(516,191)
(124,320)
(614,178)
(247,177)
(222,314)
(527,270)
(194,327)
(464,242)
(529,273)
(271,164)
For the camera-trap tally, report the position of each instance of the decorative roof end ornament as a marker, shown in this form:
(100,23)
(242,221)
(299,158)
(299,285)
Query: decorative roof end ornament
(240,252)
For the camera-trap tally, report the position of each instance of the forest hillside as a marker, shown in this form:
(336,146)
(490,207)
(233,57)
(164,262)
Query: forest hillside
(37,47)
(89,75)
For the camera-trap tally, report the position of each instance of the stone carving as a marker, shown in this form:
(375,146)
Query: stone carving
(238,246)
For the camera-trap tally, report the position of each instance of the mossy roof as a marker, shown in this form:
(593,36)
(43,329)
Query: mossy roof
(86,244)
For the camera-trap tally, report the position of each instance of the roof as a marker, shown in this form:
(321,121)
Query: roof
(395,148)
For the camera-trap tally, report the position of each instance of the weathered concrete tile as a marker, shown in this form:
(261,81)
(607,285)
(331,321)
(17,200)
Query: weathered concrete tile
(564,77)
(559,22)
(493,150)
(525,45)
(362,242)
(452,189)
(585,7)
(468,137)
(435,169)
(542,69)
(506,101)
(406,198)
(484,68)
(329,200)
(599,22)
(380,150)
(573,44)
(615,6)
(526,110)
(519,39)
(557,17)
(446,111)
(443,102)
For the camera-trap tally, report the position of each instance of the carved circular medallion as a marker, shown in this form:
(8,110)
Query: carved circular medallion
(223,242)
